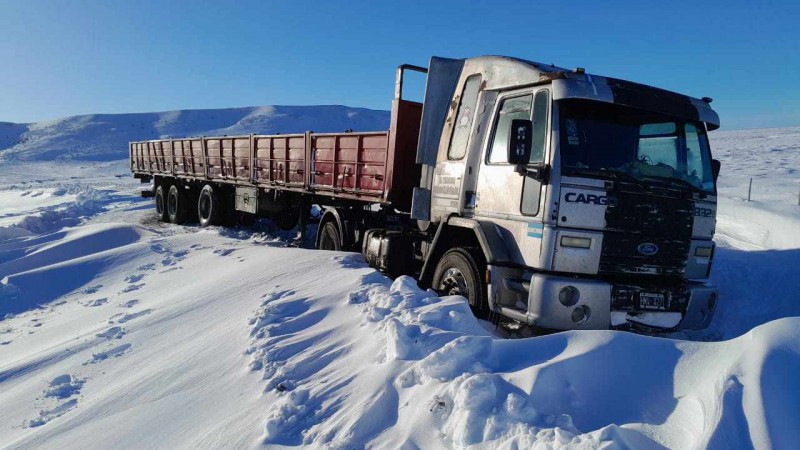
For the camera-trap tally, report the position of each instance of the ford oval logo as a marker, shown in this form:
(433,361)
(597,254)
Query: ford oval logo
(647,248)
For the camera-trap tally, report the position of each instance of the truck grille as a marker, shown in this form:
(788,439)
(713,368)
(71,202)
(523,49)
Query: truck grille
(641,222)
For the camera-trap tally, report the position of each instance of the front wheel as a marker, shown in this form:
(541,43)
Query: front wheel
(459,272)
(329,237)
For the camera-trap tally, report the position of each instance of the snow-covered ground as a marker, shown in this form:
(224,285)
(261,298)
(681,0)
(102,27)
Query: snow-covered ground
(123,332)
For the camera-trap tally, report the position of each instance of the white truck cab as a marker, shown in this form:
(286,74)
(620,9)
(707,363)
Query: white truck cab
(593,199)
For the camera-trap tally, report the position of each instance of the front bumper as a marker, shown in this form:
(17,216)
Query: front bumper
(590,305)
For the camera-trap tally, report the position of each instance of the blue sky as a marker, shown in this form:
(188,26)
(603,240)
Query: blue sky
(61,58)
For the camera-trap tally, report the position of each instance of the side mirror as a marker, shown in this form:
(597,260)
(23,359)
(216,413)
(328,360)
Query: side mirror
(520,140)
(716,165)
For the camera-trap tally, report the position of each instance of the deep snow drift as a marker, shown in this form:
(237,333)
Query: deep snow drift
(124,332)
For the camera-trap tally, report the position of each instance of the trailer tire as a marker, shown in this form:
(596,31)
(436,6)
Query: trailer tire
(329,238)
(460,272)
(209,207)
(161,204)
(176,208)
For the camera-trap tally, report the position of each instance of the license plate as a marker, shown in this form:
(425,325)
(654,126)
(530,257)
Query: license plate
(649,300)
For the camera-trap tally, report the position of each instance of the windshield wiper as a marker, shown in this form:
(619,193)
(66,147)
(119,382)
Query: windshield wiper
(680,182)
(621,175)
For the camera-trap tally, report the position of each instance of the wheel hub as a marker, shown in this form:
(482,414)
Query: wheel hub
(454,283)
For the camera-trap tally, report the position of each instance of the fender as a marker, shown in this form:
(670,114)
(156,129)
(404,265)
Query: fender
(487,236)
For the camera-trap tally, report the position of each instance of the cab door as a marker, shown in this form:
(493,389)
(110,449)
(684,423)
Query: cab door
(510,199)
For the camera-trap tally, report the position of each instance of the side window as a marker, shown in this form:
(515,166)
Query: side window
(694,156)
(540,106)
(511,108)
(464,118)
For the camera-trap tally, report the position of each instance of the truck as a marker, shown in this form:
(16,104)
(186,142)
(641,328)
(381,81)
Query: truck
(544,196)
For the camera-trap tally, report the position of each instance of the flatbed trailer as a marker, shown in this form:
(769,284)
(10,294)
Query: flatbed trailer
(545,196)
(369,167)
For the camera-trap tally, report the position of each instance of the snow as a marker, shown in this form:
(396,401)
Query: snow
(119,331)
(663,320)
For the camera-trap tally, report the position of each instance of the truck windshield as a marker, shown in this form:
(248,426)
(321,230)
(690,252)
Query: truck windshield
(612,141)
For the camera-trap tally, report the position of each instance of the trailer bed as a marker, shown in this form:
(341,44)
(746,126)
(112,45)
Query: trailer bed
(373,167)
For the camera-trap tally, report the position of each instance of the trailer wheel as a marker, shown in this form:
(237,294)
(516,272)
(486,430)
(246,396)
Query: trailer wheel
(176,209)
(209,207)
(329,238)
(161,204)
(459,272)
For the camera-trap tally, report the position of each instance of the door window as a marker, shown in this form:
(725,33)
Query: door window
(520,108)
(511,108)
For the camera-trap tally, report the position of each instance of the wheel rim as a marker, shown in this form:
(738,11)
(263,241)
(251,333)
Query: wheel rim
(454,283)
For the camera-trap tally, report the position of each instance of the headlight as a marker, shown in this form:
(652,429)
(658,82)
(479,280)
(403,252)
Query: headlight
(704,252)
(577,242)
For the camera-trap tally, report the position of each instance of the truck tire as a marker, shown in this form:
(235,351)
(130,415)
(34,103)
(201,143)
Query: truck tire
(460,272)
(209,207)
(329,238)
(161,204)
(176,208)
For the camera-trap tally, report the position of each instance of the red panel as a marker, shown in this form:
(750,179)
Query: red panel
(297,160)
(151,156)
(180,160)
(371,178)
(403,173)
(197,157)
(227,157)
(350,163)
(280,160)
(241,153)
(214,160)
(263,154)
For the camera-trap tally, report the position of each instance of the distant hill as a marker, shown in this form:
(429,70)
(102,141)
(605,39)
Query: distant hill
(105,137)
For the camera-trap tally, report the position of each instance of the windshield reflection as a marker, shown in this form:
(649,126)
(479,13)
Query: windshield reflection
(611,141)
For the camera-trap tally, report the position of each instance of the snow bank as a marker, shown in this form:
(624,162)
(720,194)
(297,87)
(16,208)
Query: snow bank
(758,225)
(442,381)
(36,271)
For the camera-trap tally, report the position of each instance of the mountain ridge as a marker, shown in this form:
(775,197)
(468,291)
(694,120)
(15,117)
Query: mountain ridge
(105,137)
